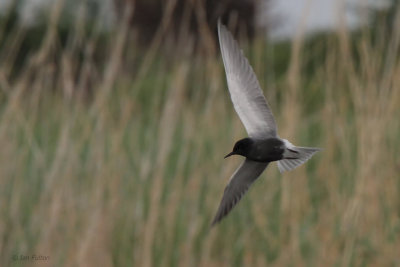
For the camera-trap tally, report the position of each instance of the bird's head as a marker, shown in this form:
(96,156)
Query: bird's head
(242,147)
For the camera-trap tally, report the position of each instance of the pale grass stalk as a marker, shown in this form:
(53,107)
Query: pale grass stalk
(291,205)
(50,39)
(176,198)
(206,37)
(167,127)
(157,40)
(10,52)
(60,154)
(114,65)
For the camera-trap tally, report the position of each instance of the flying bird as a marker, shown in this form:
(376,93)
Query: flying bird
(263,144)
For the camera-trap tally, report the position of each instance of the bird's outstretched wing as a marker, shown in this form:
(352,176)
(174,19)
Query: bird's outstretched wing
(239,183)
(247,96)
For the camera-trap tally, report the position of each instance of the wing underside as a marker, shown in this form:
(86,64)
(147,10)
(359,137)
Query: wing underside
(246,94)
(238,185)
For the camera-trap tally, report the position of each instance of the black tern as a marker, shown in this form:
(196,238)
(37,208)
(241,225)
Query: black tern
(263,144)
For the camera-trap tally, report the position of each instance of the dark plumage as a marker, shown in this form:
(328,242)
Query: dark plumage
(261,150)
(263,144)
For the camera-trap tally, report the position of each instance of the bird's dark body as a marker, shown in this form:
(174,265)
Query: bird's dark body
(261,150)
(263,146)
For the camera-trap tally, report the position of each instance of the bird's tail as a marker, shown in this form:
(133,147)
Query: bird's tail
(294,156)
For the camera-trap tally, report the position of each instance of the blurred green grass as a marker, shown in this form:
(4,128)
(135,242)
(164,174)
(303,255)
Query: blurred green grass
(113,163)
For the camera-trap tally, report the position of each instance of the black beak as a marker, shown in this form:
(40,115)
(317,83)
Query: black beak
(230,154)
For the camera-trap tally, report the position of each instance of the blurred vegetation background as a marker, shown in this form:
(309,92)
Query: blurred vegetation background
(112,143)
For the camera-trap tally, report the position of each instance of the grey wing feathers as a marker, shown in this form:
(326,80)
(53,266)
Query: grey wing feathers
(238,185)
(246,94)
(304,154)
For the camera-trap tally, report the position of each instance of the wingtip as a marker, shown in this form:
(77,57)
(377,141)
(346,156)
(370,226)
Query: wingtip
(218,217)
(219,25)
(214,222)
